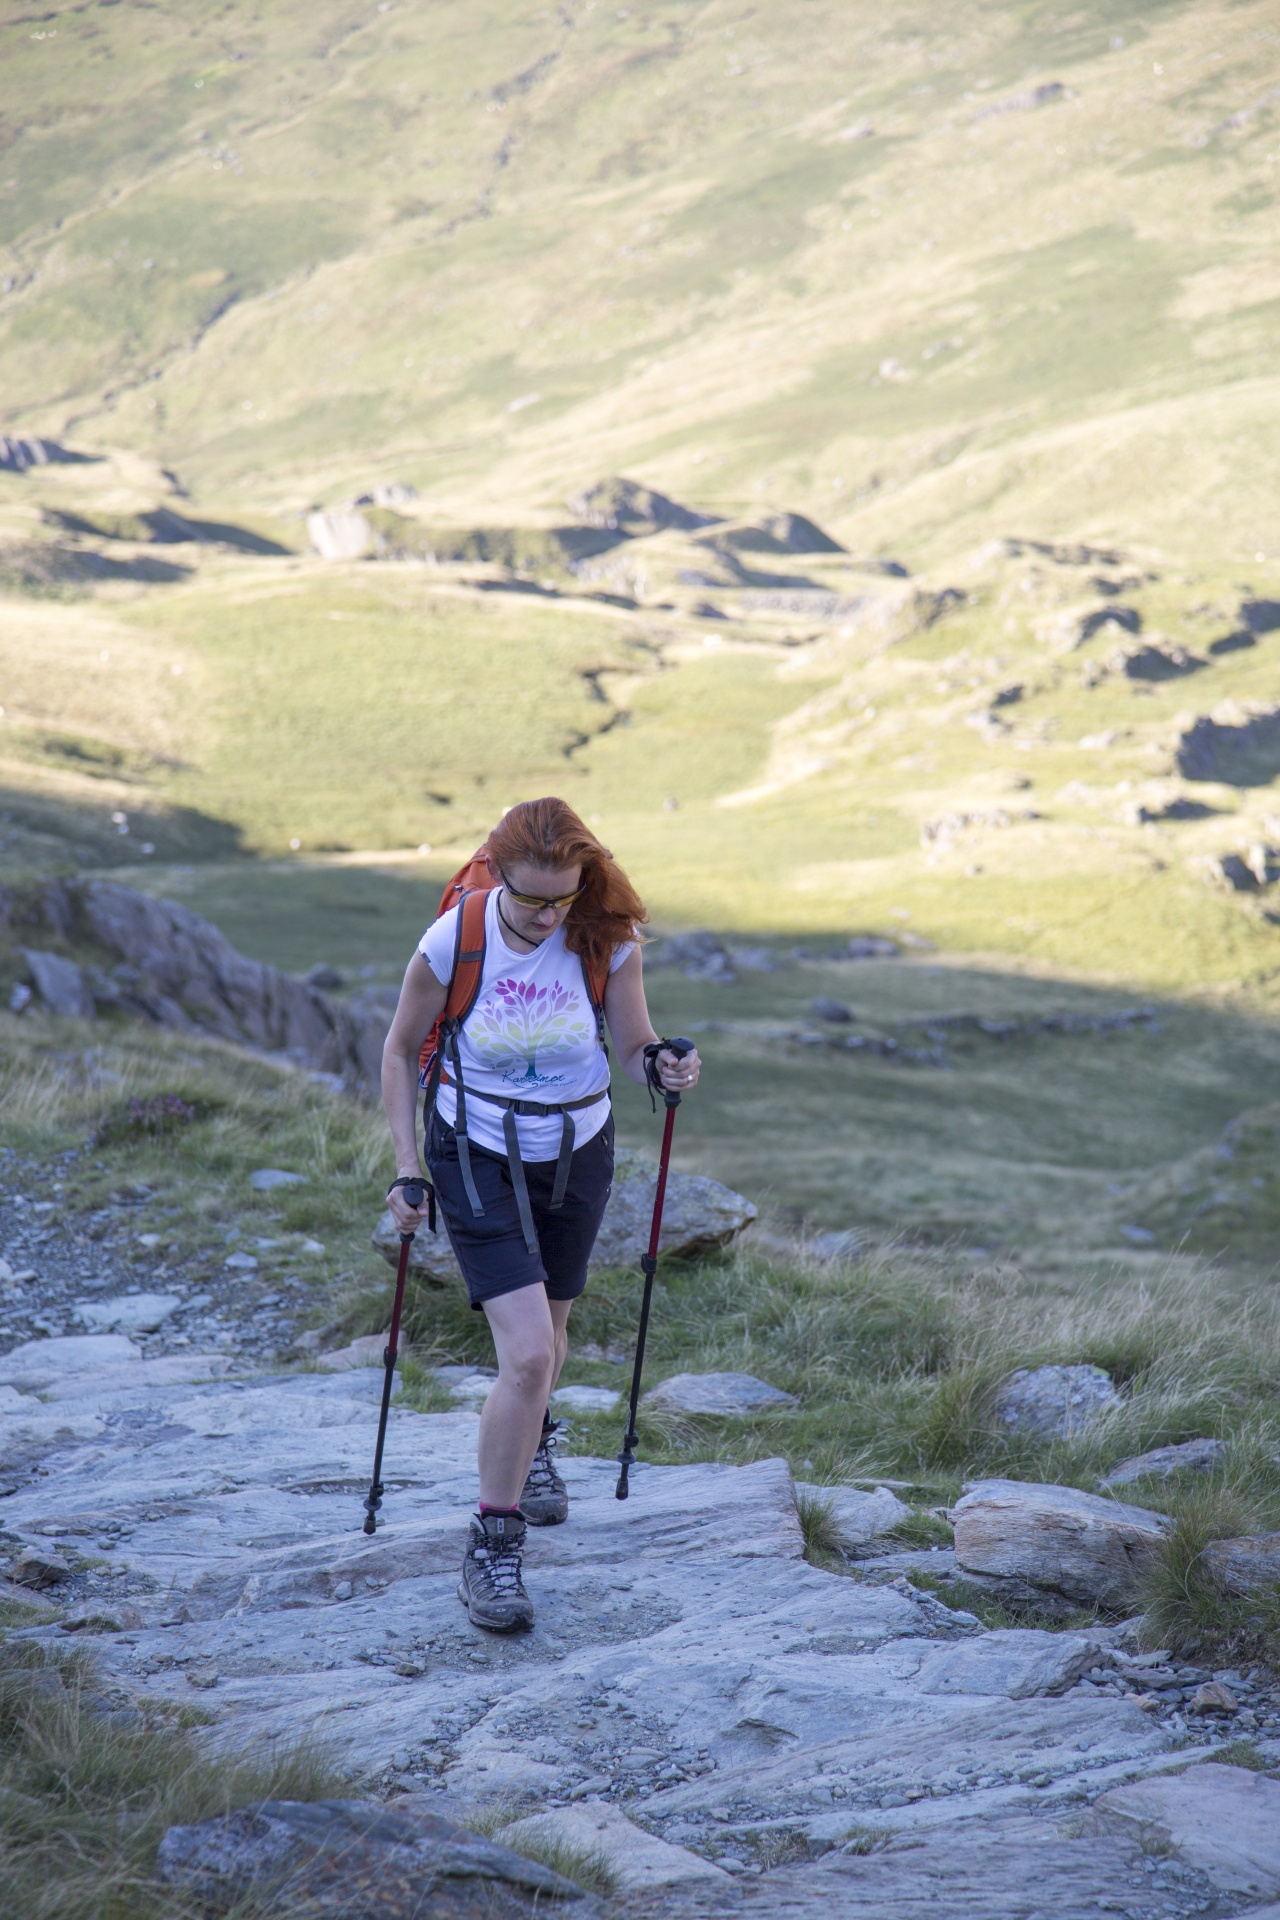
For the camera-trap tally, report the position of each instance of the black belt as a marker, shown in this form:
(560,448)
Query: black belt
(525,1109)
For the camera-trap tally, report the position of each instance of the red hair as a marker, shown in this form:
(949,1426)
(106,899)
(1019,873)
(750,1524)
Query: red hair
(548,833)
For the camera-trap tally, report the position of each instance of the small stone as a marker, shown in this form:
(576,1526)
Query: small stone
(823,1008)
(722,1393)
(241,1263)
(1080,1544)
(312,1246)
(858,1516)
(367,1351)
(203,1679)
(1213,1697)
(267,1179)
(38,1567)
(343,1590)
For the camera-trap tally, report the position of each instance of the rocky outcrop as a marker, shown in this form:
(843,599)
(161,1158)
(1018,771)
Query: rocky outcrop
(340,534)
(1237,744)
(1074,1543)
(19,453)
(698,1215)
(1054,1402)
(624,506)
(179,971)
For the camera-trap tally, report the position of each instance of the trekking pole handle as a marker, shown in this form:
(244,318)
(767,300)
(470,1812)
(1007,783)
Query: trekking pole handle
(679,1047)
(415,1192)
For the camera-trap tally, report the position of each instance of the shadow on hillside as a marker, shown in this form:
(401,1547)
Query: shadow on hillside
(40,833)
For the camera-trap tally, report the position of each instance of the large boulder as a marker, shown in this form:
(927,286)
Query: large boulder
(1054,1402)
(1070,1542)
(698,1215)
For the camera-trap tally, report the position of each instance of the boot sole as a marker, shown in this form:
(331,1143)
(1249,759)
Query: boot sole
(492,1626)
(536,1519)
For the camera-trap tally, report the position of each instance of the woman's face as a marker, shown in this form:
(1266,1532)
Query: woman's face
(538,883)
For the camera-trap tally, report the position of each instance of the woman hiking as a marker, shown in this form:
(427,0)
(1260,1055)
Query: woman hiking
(519,1137)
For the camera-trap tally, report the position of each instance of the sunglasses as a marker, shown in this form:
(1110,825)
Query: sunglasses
(532,900)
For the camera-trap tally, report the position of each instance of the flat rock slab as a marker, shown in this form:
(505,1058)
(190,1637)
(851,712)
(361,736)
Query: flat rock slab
(40,1363)
(698,1215)
(1075,1543)
(859,1517)
(1225,1821)
(687,1668)
(638,1860)
(725,1393)
(353,1860)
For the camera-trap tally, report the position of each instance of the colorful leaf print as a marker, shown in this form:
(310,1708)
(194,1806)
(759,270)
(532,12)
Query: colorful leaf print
(520,1021)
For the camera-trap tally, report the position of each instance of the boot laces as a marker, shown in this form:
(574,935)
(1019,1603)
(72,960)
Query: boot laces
(500,1567)
(543,1477)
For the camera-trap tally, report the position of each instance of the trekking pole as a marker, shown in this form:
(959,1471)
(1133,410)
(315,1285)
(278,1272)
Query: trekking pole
(415,1192)
(649,1261)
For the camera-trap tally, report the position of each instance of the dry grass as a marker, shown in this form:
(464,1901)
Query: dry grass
(89,1786)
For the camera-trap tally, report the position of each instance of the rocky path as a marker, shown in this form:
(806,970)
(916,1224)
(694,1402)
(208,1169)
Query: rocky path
(803,1743)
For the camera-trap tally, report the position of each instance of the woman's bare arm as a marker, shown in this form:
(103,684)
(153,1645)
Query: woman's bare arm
(627,1012)
(422,999)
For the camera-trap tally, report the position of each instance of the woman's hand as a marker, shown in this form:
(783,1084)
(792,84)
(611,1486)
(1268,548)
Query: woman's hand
(679,1075)
(408,1219)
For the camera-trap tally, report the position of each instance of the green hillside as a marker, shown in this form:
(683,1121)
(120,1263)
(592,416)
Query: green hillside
(950,339)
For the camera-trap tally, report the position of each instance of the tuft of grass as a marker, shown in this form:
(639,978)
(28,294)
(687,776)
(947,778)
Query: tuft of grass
(587,1867)
(921,1529)
(88,1788)
(1243,1753)
(1186,1608)
(862,1840)
(819,1527)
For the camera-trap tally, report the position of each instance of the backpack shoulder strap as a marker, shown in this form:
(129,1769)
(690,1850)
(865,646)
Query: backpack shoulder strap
(596,980)
(468,957)
(464,984)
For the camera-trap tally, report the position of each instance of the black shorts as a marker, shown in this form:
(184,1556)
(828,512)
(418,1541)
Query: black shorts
(490,1248)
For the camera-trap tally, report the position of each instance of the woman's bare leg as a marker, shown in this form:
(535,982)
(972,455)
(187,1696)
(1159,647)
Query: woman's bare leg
(530,1352)
(560,1311)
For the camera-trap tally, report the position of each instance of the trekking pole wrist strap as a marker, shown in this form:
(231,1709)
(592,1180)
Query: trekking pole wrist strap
(652,1078)
(408,1180)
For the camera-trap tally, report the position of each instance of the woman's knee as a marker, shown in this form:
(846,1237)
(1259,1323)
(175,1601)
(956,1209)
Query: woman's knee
(530,1365)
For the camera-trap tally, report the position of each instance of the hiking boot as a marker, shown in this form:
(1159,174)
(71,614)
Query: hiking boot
(491,1589)
(545,1500)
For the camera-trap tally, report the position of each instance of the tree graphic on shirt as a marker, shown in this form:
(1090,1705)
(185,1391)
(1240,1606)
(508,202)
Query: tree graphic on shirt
(519,1020)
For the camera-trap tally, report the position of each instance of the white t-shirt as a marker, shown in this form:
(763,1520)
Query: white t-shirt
(531,1035)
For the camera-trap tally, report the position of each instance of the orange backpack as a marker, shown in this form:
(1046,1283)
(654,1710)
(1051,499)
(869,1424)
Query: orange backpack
(469,889)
